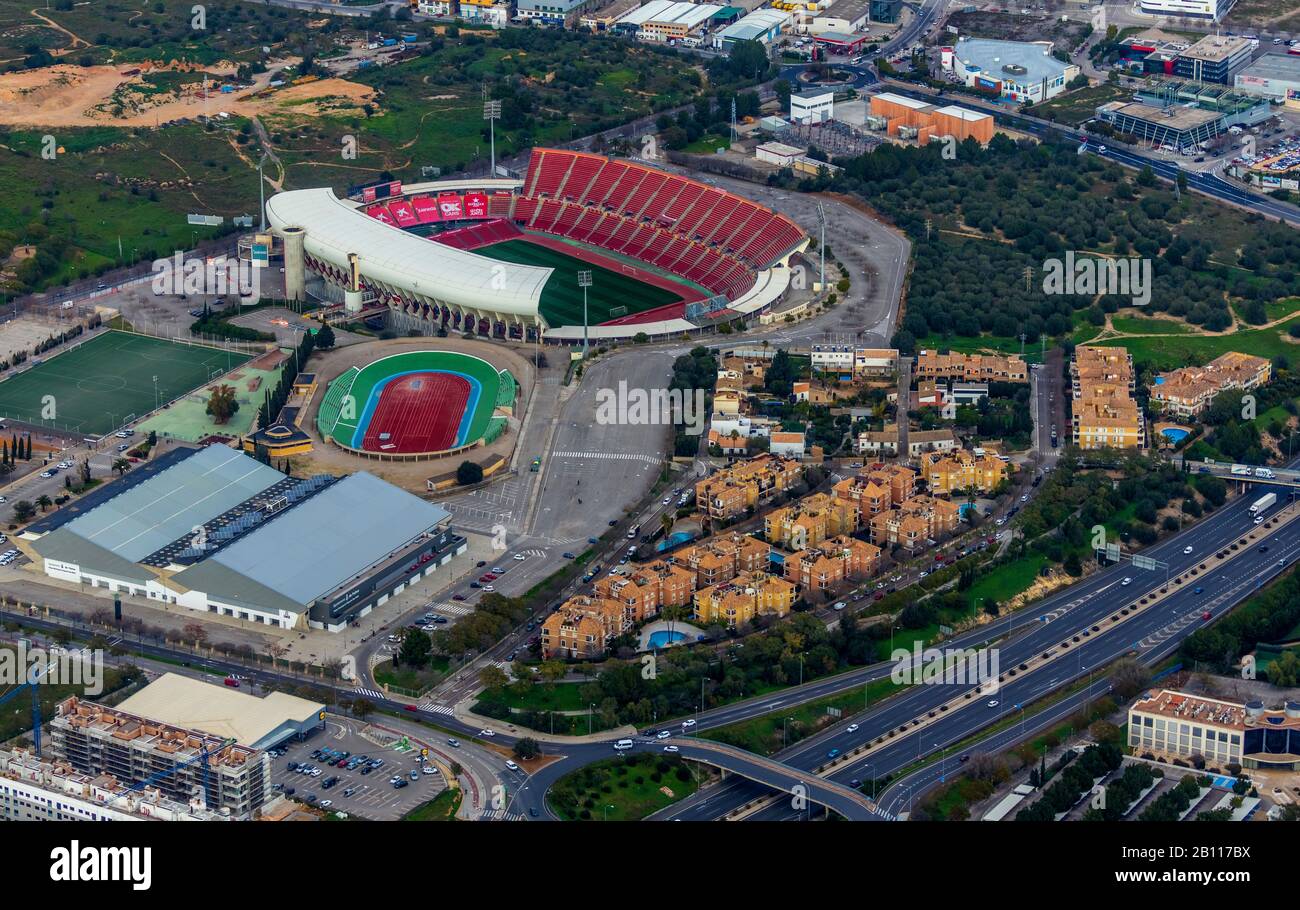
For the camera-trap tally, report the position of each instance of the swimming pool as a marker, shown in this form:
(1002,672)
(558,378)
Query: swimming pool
(663,638)
(1174,434)
(679,538)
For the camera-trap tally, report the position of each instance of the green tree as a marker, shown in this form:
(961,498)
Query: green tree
(469,473)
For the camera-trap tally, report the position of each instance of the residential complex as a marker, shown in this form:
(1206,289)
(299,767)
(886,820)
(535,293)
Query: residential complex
(582,628)
(1177,726)
(914,522)
(848,359)
(971,367)
(810,521)
(1105,412)
(963,470)
(1188,391)
(728,493)
(722,558)
(745,597)
(96,740)
(832,562)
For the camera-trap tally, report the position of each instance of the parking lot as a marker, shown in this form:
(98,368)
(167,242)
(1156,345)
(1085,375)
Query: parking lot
(362,791)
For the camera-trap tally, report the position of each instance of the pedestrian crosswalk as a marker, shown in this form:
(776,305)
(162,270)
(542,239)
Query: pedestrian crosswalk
(434,708)
(369,693)
(451,609)
(500,815)
(610,456)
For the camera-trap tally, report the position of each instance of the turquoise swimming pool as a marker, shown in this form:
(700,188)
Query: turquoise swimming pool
(663,638)
(1174,434)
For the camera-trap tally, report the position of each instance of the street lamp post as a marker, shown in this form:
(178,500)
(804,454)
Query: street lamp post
(491,112)
(584,282)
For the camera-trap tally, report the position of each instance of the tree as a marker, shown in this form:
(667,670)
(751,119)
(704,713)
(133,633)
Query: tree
(44,502)
(121,466)
(469,473)
(325,337)
(527,748)
(222,404)
(416,648)
(492,678)
(23,511)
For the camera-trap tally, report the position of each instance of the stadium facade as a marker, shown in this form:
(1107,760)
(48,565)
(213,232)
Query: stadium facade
(411,250)
(218,532)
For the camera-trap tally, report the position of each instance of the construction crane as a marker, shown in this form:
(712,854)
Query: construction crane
(36,677)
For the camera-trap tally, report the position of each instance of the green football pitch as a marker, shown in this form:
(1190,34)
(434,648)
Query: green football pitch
(93,387)
(561,302)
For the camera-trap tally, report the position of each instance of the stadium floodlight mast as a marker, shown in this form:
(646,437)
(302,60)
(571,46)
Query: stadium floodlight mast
(584,282)
(261,188)
(492,113)
(821,222)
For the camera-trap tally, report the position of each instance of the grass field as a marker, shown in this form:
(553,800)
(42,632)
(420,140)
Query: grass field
(1164,352)
(621,789)
(93,387)
(562,298)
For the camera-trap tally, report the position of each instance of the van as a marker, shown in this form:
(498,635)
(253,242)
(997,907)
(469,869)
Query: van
(623,745)
(1264,472)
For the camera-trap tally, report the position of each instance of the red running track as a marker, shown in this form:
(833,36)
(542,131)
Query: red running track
(421,412)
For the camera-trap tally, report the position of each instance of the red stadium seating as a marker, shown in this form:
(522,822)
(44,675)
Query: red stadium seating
(707,235)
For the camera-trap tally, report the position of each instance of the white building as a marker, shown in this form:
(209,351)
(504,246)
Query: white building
(778,153)
(667,20)
(1018,70)
(833,358)
(812,107)
(40,790)
(1195,9)
(762,25)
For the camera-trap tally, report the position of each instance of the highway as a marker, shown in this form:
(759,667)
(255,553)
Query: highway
(1039,630)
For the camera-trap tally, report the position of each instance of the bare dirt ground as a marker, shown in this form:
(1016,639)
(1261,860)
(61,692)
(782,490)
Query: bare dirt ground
(410,475)
(71,96)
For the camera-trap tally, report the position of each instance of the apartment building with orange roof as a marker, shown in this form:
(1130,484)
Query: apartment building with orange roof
(740,600)
(673,584)
(833,561)
(1188,391)
(972,367)
(1105,412)
(728,493)
(583,627)
(809,521)
(963,470)
(721,558)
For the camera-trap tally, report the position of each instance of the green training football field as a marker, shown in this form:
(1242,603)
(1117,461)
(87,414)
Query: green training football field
(561,302)
(93,387)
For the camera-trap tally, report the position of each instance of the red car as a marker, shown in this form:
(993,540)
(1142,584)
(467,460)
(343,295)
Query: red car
(412,708)
(878,595)
(1206,616)
(232,682)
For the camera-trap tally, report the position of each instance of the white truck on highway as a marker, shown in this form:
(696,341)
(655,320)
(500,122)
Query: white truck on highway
(1264,472)
(1259,505)
(1240,470)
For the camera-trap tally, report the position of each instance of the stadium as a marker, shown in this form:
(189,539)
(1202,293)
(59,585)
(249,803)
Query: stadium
(417,404)
(500,258)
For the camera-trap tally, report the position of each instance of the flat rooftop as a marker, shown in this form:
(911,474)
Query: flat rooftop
(1274,66)
(993,56)
(1216,48)
(1177,118)
(219,710)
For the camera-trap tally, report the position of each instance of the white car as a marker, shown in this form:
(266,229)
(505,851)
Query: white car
(1126,581)
(689,722)
(429,769)
(663,734)
(672,749)
(853,728)
(1187,551)
(486,732)
(488,589)
(520,557)
(511,765)
(325,803)
(993,703)
(47,473)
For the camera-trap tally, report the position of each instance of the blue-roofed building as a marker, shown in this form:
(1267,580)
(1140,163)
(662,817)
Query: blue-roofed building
(219,532)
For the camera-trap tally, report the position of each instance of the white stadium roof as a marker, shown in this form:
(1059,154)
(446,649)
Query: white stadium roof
(389,255)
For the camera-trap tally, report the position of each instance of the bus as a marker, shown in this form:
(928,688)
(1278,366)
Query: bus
(536,465)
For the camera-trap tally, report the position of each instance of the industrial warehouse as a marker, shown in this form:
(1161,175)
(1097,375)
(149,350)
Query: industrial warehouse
(216,531)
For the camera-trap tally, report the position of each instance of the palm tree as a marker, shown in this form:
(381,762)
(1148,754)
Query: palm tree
(121,466)
(44,502)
